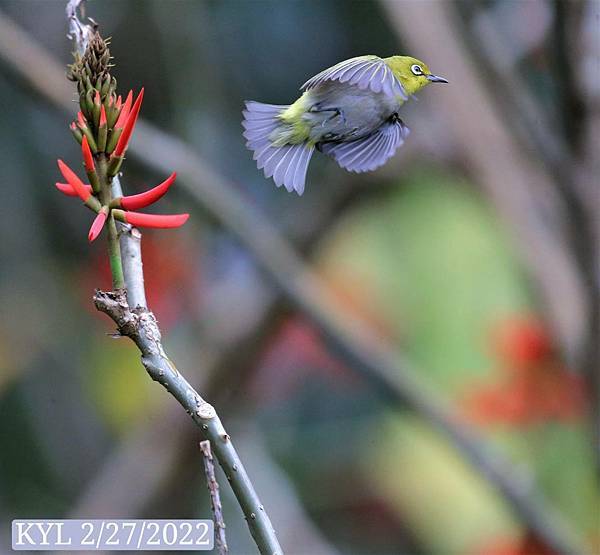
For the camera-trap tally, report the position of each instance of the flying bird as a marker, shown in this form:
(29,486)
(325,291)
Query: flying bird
(349,112)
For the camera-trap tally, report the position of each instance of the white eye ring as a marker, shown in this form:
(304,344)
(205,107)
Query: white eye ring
(416,69)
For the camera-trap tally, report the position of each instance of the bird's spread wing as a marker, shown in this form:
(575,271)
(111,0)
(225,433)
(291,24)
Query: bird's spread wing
(370,152)
(364,72)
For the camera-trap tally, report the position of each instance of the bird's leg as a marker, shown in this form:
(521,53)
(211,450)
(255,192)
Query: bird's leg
(395,118)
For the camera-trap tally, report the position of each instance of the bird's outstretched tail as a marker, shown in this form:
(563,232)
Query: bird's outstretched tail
(287,164)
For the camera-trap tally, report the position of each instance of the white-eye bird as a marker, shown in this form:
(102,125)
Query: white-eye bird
(349,112)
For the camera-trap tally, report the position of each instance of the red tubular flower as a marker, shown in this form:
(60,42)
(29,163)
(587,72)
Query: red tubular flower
(134,202)
(102,116)
(88,159)
(129,125)
(152,220)
(123,115)
(78,186)
(98,224)
(66,189)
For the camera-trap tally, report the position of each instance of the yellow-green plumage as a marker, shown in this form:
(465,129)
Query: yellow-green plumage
(299,129)
(348,111)
(401,68)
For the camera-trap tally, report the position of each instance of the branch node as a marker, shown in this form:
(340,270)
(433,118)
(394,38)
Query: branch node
(206,411)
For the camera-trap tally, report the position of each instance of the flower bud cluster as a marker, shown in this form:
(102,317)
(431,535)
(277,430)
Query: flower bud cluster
(103,127)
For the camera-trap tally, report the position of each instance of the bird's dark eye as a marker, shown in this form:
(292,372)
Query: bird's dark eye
(416,69)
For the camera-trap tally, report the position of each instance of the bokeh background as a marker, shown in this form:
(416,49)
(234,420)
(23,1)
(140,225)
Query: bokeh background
(471,255)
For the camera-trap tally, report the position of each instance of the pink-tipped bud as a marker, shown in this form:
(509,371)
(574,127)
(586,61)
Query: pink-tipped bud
(155,220)
(78,186)
(98,224)
(135,202)
(124,113)
(88,159)
(81,119)
(73,126)
(118,102)
(102,116)
(97,98)
(66,189)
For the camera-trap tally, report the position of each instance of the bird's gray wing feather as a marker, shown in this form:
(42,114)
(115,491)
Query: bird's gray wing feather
(371,152)
(366,72)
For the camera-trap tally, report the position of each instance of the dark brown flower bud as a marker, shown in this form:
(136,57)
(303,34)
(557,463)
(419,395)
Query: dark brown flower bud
(92,70)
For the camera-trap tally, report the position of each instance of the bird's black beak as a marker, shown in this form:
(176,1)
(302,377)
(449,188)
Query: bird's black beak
(436,79)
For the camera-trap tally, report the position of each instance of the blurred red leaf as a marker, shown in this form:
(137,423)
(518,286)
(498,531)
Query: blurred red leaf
(534,386)
(521,340)
(529,545)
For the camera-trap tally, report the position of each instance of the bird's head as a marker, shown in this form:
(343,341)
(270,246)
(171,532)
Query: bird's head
(413,74)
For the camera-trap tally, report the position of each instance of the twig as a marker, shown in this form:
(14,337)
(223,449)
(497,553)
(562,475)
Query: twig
(215,498)
(79,32)
(349,337)
(140,326)
(130,239)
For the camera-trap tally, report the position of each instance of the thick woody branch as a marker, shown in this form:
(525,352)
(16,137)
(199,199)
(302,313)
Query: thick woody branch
(140,326)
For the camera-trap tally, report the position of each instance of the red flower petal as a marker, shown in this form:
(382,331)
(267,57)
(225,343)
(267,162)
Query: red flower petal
(129,125)
(88,159)
(156,220)
(102,116)
(74,181)
(134,202)
(124,113)
(66,189)
(97,224)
